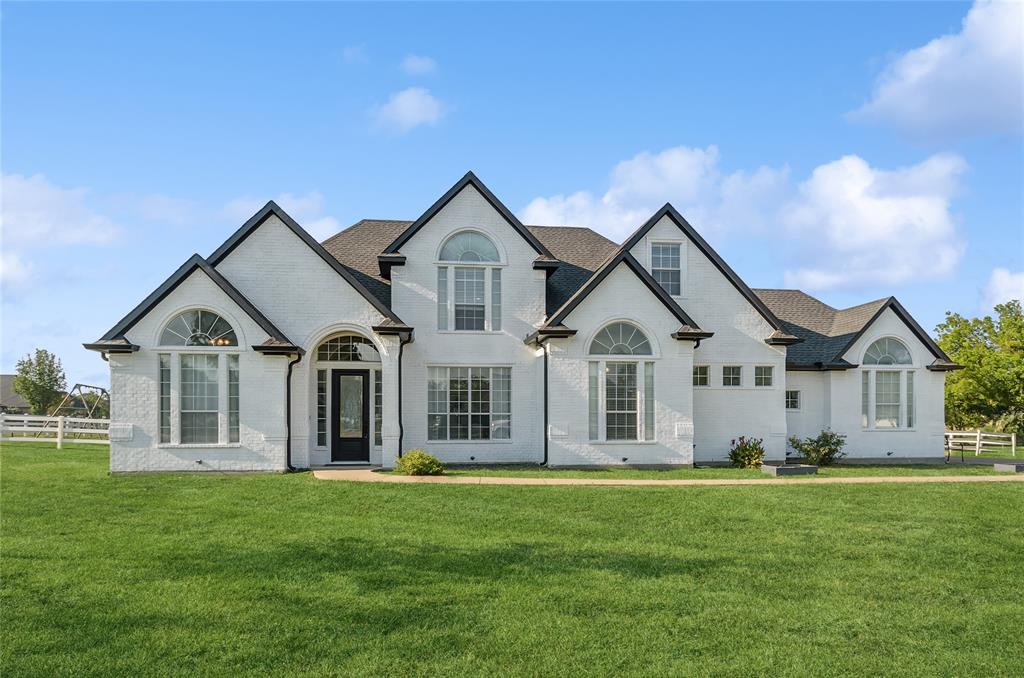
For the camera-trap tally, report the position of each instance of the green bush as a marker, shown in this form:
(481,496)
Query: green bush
(824,450)
(419,463)
(747,452)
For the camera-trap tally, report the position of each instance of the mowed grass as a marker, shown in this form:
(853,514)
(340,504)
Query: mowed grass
(716,472)
(286,575)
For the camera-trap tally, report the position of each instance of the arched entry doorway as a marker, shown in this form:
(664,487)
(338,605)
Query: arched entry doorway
(348,398)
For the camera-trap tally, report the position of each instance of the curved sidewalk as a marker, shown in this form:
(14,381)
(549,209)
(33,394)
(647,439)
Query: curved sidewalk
(370,476)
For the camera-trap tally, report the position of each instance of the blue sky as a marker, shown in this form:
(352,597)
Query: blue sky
(853,150)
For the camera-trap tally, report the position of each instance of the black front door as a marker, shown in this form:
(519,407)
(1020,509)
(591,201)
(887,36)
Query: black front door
(350,418)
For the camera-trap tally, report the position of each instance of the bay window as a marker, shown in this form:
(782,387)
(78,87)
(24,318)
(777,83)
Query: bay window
(469,284)
(621,403)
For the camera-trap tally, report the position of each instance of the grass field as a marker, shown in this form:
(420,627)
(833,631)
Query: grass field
(714,472)
(286,575)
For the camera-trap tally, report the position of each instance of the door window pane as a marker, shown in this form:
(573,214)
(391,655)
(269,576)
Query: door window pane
(351,405)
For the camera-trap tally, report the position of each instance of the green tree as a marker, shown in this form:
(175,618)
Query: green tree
(40,380)
(989,391)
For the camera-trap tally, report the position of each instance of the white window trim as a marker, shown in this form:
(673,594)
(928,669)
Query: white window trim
(682,261)
(487,266)
(760,386)
(641,404)
(471,441)
(799,400)
(707,385)
(222,394)
(721,381)
(871,370)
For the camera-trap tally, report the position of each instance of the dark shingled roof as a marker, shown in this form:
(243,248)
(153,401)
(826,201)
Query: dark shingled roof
(580,251)
(825,331)
(9,399)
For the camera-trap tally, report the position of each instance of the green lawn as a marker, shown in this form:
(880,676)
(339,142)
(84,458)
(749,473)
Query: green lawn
(715,472)
(286,575)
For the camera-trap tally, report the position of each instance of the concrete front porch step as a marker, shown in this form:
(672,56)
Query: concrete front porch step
(789,470)
(1012,467)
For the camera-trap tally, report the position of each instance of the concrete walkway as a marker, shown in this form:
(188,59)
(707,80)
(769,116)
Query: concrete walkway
(366,475)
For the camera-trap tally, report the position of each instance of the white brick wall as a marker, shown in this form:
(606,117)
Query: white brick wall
(721,414)
(414,299)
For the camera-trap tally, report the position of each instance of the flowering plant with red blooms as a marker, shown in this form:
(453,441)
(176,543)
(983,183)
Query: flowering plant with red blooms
(747,452)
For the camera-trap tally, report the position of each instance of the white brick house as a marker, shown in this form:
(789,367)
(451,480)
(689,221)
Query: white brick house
(481,340)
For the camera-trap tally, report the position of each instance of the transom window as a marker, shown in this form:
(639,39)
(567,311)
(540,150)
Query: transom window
(887,395)
(665,266)
(620,338)
(887,351)
(198,328)
(469,295)
(348,348)
(469,246)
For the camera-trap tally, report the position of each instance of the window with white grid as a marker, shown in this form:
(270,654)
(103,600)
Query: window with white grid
(665,267)
(469,403)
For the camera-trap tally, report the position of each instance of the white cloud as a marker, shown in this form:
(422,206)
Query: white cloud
(687,177)
(1002,287)
(35,212)
(408,109)
(861,225)
(307,209)
(418,65)
(967,83)
(13,269)
(855,224)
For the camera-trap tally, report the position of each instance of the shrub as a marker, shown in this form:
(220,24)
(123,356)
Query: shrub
(747,452)
(824,450)
(419,463)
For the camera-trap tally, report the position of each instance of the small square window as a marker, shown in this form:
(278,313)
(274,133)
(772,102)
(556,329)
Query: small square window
(701,376)
(732,375)
(763,375)
(792,400)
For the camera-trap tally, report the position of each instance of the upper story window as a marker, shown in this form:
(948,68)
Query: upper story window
(665,266)
(469,284)
(887,394)
(198,328)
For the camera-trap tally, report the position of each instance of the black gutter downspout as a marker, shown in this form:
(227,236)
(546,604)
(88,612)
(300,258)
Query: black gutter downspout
(545,347)
(288,413)
(401,427)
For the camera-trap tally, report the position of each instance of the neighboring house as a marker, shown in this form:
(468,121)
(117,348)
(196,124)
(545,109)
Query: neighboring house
(481,340)
(11,402)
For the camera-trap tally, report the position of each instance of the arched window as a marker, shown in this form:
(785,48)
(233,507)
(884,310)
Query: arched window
(198,328)
(469,247)
(469,296)
(887,351)
(887,394)
(620,338)
(348,348)
(621,390)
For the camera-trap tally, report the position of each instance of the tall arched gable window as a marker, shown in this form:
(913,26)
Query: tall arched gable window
(621,389)
(198,378)
(887,385)
(469,284)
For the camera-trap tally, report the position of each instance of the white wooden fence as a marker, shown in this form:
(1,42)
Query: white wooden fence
(980,441)
(34,429)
